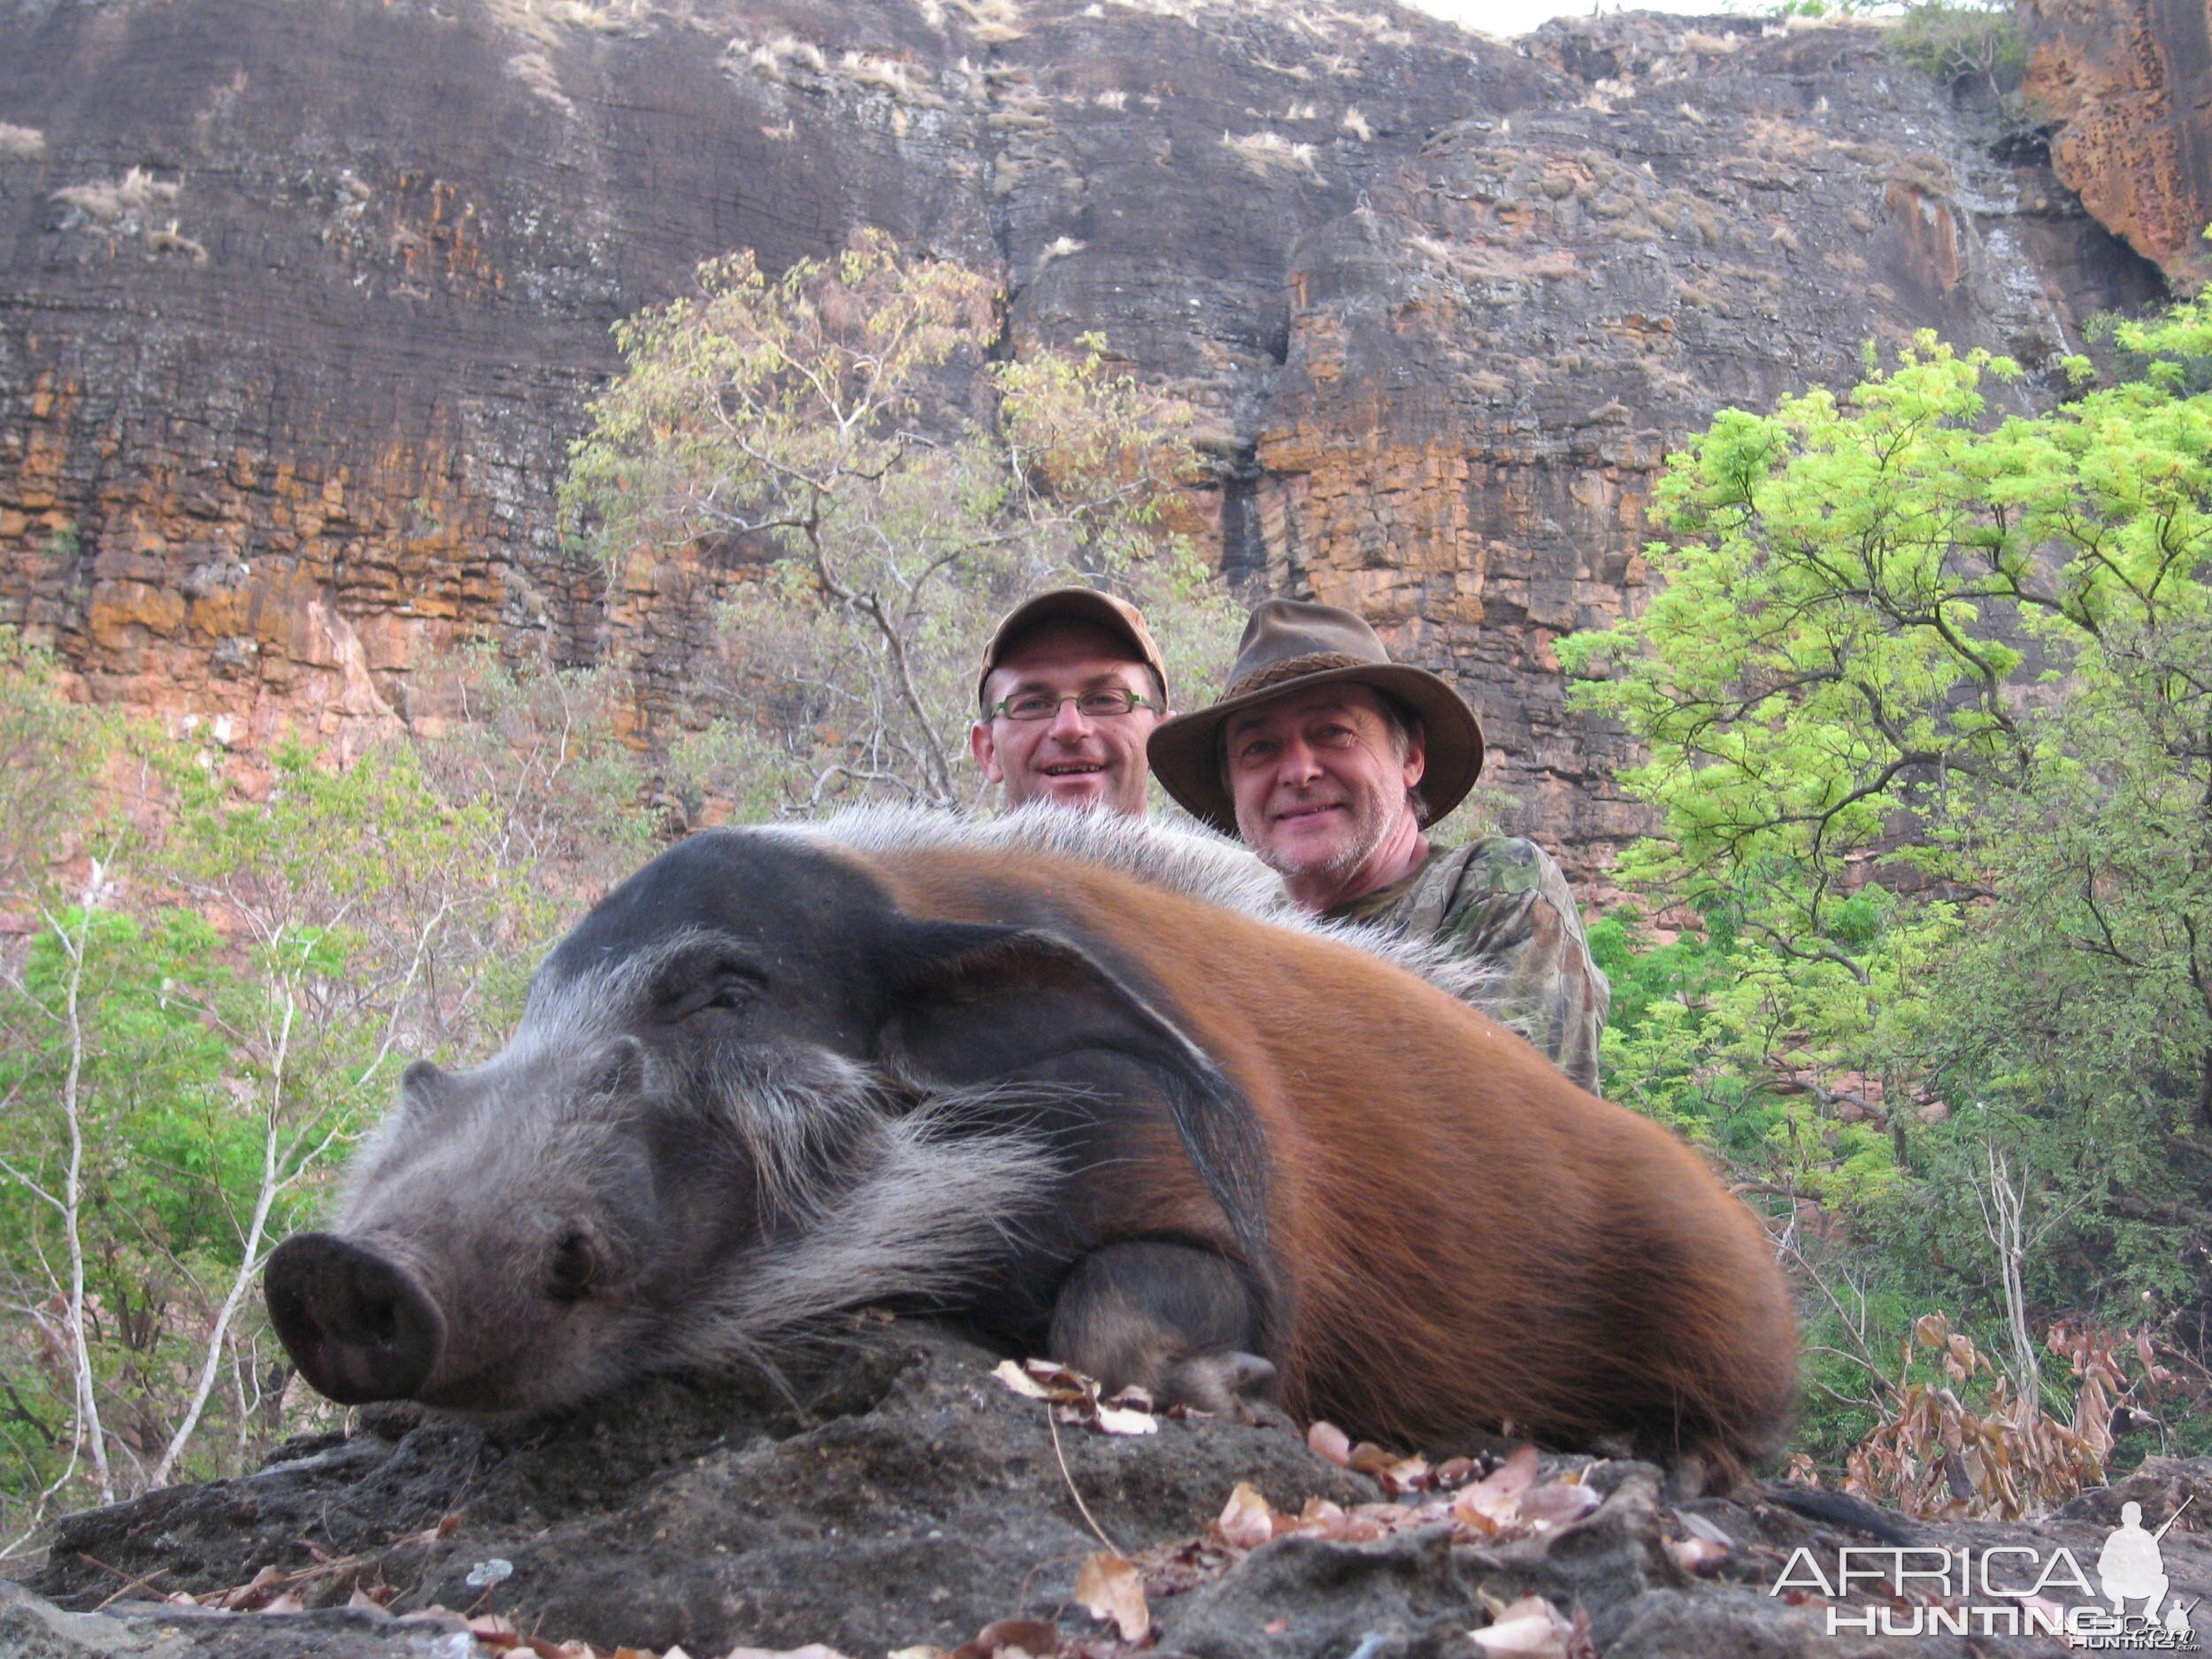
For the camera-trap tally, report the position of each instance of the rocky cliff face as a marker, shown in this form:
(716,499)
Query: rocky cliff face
(303,303)
(2127,84)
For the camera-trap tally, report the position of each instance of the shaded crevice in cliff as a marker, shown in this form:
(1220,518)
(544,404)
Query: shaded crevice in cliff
(1243,542)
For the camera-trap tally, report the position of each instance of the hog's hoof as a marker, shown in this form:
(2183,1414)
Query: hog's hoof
(1237,1385)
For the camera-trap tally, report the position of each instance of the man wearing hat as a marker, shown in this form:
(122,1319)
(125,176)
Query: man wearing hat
(1329,760)
(1070,687)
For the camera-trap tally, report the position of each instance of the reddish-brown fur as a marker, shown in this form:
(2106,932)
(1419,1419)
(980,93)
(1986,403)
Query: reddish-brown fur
(1465,1239)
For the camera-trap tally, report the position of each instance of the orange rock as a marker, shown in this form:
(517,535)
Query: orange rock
(2128,82)
(116,610)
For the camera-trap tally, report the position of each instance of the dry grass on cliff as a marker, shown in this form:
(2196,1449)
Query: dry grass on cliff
(543,21)
(777,59)
(169,238)
(20,143)
(993,22)
(893,75)
(774,57)
(1059,247)
(111,200)
(1457,266)
(1270,152)
(536,71)
(619,16)
(1315,21)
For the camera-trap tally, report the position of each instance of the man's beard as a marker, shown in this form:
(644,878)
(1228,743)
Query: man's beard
(1370,830)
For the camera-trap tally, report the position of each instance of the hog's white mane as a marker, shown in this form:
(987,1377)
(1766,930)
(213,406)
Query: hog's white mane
(1186,859)
(1192,861)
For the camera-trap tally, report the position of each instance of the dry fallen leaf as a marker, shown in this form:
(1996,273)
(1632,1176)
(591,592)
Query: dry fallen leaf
(1327,1440)
(253,1593)
(1473,1518)
(1697,1526)
(1248,1520)
(1493,1503)
(288,1602)
(1531,1627)
(1110,1587)
(1031,1636)
(1122,1420)
(1558,1503)
(1516,1472)
(1367,1457)
(1695,1554)
(812,1651)
(1408,1474)
(1009,1373)
(1075,1397)
(1369,1521)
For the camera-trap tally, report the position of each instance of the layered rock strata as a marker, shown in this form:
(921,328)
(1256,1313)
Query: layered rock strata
(304,306)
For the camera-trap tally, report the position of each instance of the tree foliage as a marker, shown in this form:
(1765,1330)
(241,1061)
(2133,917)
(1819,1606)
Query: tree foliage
(1927,698)
(848,433)
(1964,42)
(211,977)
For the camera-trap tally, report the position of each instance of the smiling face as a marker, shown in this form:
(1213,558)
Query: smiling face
(1320,788)
(1072,758)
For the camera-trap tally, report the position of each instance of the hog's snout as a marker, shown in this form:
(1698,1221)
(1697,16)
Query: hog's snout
(356,1325)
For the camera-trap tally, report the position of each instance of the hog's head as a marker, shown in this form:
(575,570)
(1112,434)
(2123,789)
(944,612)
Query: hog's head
(710,1124)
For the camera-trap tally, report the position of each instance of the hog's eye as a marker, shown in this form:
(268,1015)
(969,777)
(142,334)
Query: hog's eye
(722,989)
(575,1266)
(731,992)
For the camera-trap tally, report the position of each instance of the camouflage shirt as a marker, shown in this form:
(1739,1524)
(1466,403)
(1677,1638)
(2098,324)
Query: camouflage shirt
(1504,903)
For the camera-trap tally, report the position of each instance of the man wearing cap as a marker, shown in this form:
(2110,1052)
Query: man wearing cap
(1072,686)
(1329,760)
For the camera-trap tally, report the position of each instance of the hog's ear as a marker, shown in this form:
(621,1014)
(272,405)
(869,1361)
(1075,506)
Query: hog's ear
(423,1088)
(969,1002)
(974,1005)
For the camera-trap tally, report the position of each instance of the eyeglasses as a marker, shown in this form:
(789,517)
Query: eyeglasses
(1107,702)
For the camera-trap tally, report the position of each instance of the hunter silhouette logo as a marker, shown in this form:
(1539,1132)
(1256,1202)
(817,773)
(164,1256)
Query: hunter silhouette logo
(2131,1565)
(2006,1590)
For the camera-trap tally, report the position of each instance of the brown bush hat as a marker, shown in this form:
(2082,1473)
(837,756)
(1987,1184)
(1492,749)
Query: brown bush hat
(1118,616)
(1290,644)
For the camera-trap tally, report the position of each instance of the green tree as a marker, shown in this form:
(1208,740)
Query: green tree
(221,971)
(847,428)
(1925,698)
(1964,42)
